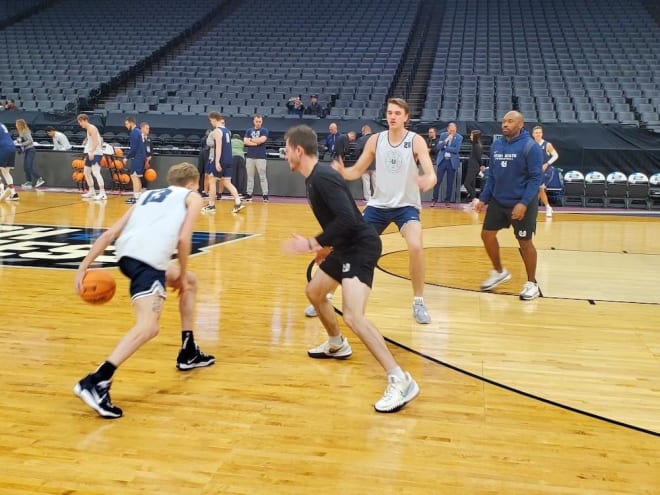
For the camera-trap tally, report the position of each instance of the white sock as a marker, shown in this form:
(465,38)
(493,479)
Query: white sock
(398,372)
(418,300)
(338,340)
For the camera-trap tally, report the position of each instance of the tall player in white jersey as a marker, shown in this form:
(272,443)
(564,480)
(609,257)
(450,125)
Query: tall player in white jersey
(396,197)
(93,154)
(147,234)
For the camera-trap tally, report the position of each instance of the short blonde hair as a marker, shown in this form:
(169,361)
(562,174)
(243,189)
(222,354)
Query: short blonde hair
(182,173)
(399,102)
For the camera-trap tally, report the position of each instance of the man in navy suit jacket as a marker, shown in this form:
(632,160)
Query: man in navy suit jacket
(447,161)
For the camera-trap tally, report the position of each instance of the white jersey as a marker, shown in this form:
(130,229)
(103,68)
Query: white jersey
(152,232)
(396,170)
(88,145)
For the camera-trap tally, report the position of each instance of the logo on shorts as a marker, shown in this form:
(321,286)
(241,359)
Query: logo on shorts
(346,267)
(522,233)
(50,246)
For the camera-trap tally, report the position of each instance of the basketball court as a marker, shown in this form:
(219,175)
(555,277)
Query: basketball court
(555,395)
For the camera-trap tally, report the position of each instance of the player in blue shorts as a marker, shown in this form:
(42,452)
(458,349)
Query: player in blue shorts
(138,154)
(219,166)
(162,219)
(550,156)
(7,160)
(396,196)
(93,153)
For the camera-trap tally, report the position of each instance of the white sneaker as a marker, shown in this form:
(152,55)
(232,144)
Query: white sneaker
(328,351)
(421,314)
(530,291)
(100,197)
(3,192)
(310,311)
(88,195)
(496,278)
(397,394)
(548,212)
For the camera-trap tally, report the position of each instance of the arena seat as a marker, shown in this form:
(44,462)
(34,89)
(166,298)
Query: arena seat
(654,191)
(39,49)
(573,188)
(638,190)
(617,190)
(595,186)
(546,62)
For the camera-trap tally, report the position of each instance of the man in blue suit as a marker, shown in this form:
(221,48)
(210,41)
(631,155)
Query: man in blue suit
(447,161)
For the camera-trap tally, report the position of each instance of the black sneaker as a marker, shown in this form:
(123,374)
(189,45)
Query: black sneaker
(187,360)
(97,396)
(204,195)
(130,201)
(265,198)
(247,197)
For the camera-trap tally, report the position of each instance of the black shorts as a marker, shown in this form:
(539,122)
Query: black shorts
(357,261)
(498,217)
(145,279)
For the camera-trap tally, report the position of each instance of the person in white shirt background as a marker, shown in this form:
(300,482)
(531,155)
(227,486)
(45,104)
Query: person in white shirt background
(60,141)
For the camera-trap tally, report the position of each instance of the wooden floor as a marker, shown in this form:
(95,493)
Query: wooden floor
(555,396)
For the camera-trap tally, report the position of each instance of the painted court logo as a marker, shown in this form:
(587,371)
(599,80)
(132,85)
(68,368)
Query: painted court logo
(47,246)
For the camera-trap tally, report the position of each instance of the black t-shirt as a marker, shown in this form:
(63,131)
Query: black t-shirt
(359,148)
(432,144)
(334,208)
(475,155)
(342,147)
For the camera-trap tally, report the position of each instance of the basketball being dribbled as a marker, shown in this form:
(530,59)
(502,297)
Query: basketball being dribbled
(98,287)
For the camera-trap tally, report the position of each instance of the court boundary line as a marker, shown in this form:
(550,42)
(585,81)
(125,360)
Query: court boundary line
(501,385)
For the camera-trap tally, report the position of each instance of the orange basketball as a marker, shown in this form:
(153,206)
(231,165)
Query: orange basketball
(119,152)
(115,177)
(105,161)
(98,287)
(124,178)
(119,164)
(78,164)
(150,175)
